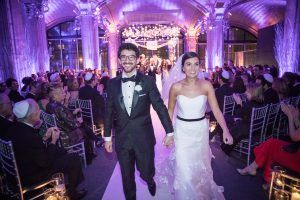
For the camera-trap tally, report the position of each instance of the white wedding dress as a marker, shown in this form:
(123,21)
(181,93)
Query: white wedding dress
(191,159)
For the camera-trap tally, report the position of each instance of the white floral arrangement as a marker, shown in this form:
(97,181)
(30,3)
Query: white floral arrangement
(138,88)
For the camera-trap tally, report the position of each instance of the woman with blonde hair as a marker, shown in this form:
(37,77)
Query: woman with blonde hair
(240,129)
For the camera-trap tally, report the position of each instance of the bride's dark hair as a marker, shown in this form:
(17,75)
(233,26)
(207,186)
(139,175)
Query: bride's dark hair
(186,56)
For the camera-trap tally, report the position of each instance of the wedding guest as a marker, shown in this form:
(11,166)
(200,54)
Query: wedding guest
(270,95)
(286,154)
(34,91)
(6,115)
(13,87)
(240,129)
(36,162)
(281,88)
(224,89)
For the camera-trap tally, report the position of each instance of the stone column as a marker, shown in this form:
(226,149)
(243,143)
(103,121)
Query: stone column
(25,40)
(90,41)
(291,38)
(191,40)
(37,55)
(113,45)
(215,45)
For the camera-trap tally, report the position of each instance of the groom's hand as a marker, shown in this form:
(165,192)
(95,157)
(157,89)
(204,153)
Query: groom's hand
(108,146)
(168,141)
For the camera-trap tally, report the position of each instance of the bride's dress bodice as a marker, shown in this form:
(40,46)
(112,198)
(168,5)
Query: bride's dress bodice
(191,107)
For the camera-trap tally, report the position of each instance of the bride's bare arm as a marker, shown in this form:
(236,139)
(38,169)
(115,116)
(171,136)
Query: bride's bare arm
(217,112)
(172,100)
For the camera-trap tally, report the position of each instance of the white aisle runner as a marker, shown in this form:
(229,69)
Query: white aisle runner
(114,190)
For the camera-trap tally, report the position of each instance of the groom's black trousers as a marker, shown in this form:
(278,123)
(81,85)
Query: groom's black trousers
(127,157)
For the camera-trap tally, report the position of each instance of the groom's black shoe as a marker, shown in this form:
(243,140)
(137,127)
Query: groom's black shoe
(152,188)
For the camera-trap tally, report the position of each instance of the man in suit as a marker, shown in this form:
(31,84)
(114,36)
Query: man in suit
(36,162)
(34,91)
(224,89)
(13,86)
(130,96)
(270,95)
(88,92)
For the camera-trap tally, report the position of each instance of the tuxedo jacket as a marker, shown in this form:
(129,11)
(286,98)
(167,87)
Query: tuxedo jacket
(134,129)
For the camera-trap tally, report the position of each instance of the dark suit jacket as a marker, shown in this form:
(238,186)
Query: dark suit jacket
(87,92)
(34,160)
(31,96)
(15,96)
(4,125)
(270,96)
(224,90)
(137,128)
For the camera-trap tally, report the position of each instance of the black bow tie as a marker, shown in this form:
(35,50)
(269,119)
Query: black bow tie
(124,80)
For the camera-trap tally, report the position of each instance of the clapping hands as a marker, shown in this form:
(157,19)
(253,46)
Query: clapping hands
(52,133)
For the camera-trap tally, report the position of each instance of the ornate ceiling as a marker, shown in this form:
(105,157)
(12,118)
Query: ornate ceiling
(249,14)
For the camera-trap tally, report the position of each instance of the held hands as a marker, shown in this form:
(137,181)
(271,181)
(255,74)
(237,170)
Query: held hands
(108,146)
(168,141)
(227,138)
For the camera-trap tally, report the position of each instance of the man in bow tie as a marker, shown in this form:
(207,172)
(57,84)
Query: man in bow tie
(130,96)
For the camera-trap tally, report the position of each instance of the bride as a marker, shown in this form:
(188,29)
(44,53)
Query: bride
(193,175)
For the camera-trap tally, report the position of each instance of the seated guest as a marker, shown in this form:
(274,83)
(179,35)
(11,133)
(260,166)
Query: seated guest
(73,88)
(73,129)
(281,88)
(2,87)
(44,96)
(295,91)
(55,79)
(34,91)
(240,129)
(36,162)
(270,95)
(26,87)
(88,92)
(13,87)
(286,154)
(6,115)
(224,89)
(238,85)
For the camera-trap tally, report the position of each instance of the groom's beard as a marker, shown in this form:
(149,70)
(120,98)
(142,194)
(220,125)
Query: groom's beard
(130,69)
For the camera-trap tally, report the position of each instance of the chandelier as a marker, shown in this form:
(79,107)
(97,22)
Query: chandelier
(208,22)
(151,32)
(36,9)
(90,9)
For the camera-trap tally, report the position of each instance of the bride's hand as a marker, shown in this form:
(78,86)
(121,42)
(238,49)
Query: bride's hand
(227,138)
(168,141)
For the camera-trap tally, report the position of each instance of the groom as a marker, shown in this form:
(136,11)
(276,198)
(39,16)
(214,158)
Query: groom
(129,98)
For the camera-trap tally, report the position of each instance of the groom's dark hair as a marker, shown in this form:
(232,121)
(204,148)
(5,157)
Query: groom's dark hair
(129,46)
(186,56)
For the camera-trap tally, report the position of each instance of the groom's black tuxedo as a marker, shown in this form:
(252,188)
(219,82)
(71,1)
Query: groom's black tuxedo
(137,128)
(134,135)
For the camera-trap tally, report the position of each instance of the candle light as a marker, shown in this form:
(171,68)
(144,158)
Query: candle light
(52,198)
(295,191)
(295,196)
